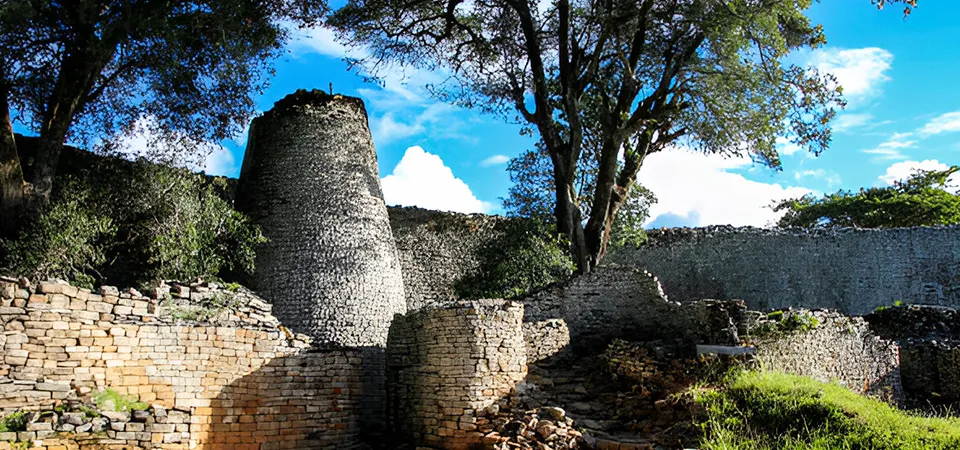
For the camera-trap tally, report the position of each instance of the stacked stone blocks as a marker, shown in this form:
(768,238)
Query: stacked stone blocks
(240,383)
(446,364)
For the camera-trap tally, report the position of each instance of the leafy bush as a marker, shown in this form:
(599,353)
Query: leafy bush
(764,410)
(525,256)
(15,421)
(110,400)
(68,240)
(129,223)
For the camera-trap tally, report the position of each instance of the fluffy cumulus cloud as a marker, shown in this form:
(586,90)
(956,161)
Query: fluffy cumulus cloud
(904,169)
(422,179)
(693,189)
(860,71)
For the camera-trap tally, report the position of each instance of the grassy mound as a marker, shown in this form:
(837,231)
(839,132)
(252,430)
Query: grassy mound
(763,410)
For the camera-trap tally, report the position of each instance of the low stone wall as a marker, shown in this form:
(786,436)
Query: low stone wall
(240,379)
(837,348)
(445,365)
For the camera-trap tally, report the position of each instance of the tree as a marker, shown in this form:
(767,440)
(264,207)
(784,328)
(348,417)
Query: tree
(907,8)
(628,78)
(87,70)
(921,200)
(533,192)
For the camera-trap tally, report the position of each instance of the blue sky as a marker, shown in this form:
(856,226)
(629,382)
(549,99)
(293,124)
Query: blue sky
(900,77)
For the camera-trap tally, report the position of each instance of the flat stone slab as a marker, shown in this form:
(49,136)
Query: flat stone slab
(725,350)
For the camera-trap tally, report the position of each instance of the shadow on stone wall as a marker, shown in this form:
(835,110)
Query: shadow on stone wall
(319,399)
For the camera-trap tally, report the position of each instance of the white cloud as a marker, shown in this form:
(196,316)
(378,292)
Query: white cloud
(700,187)
(422,179)
(850,121)
(221,162)
(495,160)
(830,177)
(891,148)
(318,40)
(860,71)
(785,147)
(904,169)
(946,123)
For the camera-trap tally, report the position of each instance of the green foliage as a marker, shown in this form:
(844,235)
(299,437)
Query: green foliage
(524,256)
(205,310)
(68,240)
(132,223)
(15,421)
(921,200)
(110,400)
(783,322)
(533,195)
(773,411)
(189,68)
(613,82)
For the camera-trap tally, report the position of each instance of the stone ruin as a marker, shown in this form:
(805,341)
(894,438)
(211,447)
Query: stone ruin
(355,339)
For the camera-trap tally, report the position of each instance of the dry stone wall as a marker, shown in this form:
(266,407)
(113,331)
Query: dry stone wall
(236,380)
(447,364)
(437,249)
(310,179)
(853,271)
(835,348)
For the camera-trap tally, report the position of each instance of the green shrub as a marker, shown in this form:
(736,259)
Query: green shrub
(129,224)
(15,421)
(524,256)
(69,240)
(110,400)
(764,410)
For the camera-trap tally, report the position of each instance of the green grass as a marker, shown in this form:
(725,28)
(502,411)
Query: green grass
(772,411)
(110,400)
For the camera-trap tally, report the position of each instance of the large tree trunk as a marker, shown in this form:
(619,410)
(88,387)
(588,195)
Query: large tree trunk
(11,174)
(568,217)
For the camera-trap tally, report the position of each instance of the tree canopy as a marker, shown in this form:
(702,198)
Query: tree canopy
(88,70)
(533,192)
(921,200)
(623,79)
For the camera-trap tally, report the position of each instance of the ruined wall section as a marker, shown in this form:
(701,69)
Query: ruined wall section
(853,271)
(447,364)
(837,348)
(310,179)
(236,379)
(608,303)
(437,249)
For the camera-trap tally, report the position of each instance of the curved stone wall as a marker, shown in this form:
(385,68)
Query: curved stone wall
(236,379)
(445,365)
(853,271)
(310,179)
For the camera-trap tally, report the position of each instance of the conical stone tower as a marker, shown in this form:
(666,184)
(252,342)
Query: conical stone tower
(310,180)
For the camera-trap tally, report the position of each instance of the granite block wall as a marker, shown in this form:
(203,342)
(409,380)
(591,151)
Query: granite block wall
(437,249)
(310,180)
(609,303)
(236,380)
(838,348)
(446,364)
(852,271)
